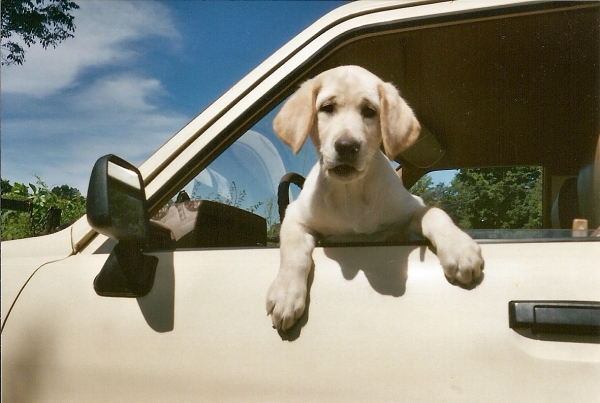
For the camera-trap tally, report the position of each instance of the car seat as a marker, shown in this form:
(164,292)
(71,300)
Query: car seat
(578,198)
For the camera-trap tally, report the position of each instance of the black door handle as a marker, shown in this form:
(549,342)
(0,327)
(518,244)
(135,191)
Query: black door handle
(576,318)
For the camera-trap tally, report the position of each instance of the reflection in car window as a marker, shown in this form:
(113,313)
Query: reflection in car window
(245,176)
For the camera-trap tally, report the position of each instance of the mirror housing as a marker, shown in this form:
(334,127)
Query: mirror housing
(116,207)
(116,200)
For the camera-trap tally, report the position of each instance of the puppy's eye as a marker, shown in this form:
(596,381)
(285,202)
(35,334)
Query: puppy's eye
(327,108)
(368,112)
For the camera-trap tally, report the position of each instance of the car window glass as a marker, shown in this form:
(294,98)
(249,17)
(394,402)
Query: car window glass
(245,177)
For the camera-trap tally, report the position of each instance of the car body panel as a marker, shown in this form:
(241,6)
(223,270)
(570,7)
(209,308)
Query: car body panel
(203,333)
(21,258)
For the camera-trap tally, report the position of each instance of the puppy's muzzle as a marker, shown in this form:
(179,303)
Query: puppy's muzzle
(347,150)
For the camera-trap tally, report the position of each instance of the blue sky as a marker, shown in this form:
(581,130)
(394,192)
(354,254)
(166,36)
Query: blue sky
(133,75)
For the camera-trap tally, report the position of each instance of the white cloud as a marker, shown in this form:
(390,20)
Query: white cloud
(118,93)
(65,107)
(104,34)
(113,115)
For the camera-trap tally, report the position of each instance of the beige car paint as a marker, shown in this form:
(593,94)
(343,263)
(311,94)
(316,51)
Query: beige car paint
(378,329)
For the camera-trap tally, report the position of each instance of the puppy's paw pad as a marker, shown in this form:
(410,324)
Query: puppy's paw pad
(286,302)
(462,261)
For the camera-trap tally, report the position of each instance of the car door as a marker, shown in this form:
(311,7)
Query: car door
(382,324)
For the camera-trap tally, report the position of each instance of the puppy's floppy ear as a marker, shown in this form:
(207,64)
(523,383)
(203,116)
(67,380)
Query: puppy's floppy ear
(399,126)
(294,121)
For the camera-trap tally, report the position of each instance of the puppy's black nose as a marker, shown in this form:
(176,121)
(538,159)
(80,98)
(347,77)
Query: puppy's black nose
(347,148)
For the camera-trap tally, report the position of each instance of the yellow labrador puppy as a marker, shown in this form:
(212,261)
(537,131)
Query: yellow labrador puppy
(353,191)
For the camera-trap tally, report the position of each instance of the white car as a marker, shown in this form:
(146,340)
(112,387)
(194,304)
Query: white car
(129,309)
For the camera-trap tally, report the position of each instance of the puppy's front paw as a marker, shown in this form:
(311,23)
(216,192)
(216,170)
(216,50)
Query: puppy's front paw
(461,259)
(286,301)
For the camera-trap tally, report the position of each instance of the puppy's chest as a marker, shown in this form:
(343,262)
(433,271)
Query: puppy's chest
(348,216)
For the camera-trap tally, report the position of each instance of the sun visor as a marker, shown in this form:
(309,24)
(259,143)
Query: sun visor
(425,152)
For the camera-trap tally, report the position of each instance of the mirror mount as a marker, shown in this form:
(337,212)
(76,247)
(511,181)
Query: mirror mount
(116,207)
(127,272)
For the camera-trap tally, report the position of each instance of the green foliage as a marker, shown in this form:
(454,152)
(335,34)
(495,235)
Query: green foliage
(431,195)
(488,198)
(6,186)
(19,224)
(46,21)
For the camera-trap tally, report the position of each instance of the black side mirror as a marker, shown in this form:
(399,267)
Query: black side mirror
(116,207)
(116,201)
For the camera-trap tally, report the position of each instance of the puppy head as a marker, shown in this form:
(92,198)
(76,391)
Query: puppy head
(348,113)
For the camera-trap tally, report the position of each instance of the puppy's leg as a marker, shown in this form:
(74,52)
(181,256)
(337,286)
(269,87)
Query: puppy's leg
(286,298)
(459,254)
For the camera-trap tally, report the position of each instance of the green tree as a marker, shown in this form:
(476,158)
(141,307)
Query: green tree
(6,186)
(422,186)
(49,22)
(18,224)
(500,198)
(432,194)
(488,198)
